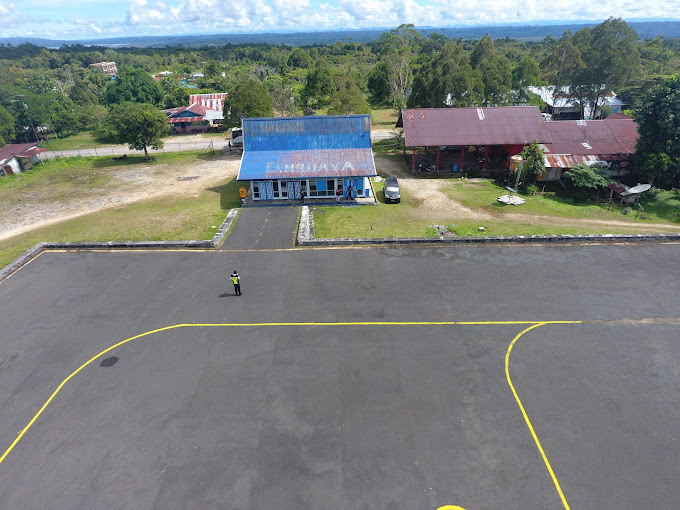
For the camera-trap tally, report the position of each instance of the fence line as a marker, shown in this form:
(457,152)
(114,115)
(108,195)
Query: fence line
(117,150)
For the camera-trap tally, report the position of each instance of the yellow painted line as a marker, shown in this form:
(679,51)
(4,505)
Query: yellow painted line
(270,324)
(526,417)
(23,266)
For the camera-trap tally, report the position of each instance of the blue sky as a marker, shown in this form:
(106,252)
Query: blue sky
(79,19)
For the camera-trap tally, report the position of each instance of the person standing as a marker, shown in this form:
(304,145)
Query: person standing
(302,197)
(338,195)
(236,280)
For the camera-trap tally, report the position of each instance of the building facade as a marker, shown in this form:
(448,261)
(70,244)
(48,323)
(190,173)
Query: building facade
(318,156)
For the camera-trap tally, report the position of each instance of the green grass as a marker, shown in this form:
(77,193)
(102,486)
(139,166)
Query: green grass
(84,140)
(384,118)
(168,218)
(410,219)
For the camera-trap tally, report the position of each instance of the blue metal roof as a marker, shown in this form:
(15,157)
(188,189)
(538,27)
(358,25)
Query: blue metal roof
(303,147)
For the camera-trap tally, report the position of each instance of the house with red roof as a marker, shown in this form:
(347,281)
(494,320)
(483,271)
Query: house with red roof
(204,111)
(18,157)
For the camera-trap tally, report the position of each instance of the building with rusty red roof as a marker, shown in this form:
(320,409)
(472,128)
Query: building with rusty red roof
(18,157)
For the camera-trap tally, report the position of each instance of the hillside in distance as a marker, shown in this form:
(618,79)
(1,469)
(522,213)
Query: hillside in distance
(645,29)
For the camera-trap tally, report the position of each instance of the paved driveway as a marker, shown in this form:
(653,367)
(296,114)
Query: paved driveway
(263,228)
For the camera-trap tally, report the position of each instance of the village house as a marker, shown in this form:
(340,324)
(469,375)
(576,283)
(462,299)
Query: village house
(18,157)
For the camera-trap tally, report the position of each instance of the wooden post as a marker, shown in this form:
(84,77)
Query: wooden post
(462,151)
(437,157)
(486,155)
(414,160)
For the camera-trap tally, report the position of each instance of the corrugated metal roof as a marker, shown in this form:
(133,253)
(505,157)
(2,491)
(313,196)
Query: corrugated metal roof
(19,149)
(612,137)
(567,160)
(504,125)
(303,147)
(305,164)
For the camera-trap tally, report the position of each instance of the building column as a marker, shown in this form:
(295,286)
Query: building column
(414,160)
(486,155)
(462,152)
(437,165)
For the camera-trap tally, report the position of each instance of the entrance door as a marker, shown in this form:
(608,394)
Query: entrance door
(296,194)
(291,189)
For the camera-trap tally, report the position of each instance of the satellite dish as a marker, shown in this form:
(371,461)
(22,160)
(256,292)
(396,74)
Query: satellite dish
(639,188)
(511,190)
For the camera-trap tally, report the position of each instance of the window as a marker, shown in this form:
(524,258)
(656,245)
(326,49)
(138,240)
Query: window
(256,190)
(313,192)
(284,189)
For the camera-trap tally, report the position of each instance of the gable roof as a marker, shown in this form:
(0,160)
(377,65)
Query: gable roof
(303,147)
(25,150)
(191,113)
(608,137)
(502,125)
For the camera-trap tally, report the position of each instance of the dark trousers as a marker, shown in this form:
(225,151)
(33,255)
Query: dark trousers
(237,289)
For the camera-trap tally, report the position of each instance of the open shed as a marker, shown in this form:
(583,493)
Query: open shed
(505,129)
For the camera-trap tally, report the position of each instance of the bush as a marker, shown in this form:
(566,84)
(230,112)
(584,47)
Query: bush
(530,189)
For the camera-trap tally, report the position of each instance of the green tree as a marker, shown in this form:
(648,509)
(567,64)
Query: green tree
(495,70)
(177,97)
(319,86)
(299,58)
(80,94)
(562,65)
(588,176)
(525,74)
(533,165)
(6,127)
(133,85)
(140,125)
(377,84)
(92,116)
(67,121)
(248,98)
(446,79)
(657,153)
(348,99)
(398,50)
(612,57)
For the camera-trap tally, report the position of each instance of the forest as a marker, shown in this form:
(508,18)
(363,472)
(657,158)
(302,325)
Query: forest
(54,92)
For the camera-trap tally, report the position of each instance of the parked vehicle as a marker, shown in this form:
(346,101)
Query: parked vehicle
(391,190)
(236,138)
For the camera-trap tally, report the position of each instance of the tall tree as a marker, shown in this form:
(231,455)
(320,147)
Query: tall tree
(533,165)
(348,98)
(319,86)
(6,127)
(446,79)
(140,125)
(562,65)
(495,70)
(133,84)
(611,56)
(525,74)
(399,48)
(657,154)
(248,98)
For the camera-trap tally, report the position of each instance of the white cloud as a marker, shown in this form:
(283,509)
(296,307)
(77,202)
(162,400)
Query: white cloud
(8,12)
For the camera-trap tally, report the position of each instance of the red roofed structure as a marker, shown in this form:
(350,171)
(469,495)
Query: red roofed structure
(18,157)
(500,129)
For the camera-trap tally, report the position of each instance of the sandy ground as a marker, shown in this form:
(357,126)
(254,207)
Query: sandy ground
(130,184)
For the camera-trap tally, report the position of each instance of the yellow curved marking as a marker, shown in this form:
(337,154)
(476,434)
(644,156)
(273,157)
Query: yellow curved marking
(450,507)
(383,323)
(526,418)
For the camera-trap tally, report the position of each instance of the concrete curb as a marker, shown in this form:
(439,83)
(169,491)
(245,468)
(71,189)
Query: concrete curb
(30,254)
(307,238)
(554,239)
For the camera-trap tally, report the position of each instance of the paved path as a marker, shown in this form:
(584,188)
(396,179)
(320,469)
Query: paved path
(263,228)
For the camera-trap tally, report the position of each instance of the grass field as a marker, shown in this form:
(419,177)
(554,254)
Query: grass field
(84,140)
(384,118)
(406,218)
(168,218)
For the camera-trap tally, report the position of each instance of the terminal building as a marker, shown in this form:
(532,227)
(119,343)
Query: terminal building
(315,155)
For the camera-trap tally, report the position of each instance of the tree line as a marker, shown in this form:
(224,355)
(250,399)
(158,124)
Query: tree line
(57,91)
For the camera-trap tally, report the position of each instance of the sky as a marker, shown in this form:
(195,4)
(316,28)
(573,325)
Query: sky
(93,19)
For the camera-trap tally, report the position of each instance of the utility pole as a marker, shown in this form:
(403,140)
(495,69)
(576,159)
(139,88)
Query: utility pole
(20,96)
